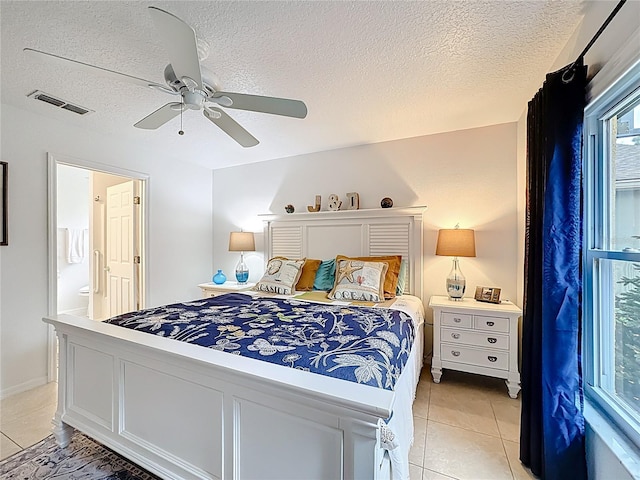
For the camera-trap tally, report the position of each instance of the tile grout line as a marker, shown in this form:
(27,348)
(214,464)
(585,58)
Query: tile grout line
(426,431)
(467,429)
(442,474)
(12,441)
(504,448)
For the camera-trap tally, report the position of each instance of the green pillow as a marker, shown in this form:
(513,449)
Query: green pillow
(325,275)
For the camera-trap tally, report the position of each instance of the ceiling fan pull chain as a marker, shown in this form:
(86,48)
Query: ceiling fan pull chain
(181,132)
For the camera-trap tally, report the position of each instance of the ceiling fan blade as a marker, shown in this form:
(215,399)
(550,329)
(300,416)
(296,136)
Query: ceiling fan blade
(230,127)
(180,41)
(123,77)
(160,116)
(257,103)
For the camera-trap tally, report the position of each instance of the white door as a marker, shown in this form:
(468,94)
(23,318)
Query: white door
(120,249)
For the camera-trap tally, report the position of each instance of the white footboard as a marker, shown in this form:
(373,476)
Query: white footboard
(183,411)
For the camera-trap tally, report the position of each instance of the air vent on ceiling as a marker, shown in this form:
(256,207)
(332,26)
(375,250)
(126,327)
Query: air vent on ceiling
(57,102)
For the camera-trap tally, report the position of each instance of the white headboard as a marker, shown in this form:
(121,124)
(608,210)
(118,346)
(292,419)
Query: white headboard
(323,235)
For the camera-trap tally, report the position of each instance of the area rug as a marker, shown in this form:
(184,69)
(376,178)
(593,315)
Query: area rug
(84,459)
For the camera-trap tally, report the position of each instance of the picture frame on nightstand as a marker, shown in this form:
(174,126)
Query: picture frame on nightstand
(487,294)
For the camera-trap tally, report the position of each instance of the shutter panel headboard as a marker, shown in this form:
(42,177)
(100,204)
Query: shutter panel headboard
(323,235)
(286,241)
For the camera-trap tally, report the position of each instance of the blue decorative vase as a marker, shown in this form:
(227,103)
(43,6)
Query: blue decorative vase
(219,278)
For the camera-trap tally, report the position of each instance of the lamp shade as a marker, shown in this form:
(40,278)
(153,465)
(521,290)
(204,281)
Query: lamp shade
(456,242)
(242,242)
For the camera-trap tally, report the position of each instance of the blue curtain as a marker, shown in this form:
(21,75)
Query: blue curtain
(552,426)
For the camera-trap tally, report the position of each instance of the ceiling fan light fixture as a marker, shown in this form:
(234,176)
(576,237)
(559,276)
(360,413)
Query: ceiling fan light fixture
(193,100)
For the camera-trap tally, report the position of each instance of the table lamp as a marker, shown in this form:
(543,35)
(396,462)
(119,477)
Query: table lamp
(456,242)
(242,242)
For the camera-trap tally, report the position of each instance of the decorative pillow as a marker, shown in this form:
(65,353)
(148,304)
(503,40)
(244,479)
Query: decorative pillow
(402,277)
(308,274)
(325,276)
(358,280)
(281,276)
(393,270)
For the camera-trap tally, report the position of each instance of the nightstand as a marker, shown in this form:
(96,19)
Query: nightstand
(213,289)
(476,337)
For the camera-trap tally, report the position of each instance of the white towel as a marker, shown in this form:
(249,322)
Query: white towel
(76,244)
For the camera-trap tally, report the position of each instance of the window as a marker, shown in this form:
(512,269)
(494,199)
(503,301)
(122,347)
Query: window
(612,253)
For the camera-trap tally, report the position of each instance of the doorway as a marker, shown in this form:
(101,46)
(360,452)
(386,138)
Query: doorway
(97,219)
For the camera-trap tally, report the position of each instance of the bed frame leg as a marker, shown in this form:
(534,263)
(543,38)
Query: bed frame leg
(61,431)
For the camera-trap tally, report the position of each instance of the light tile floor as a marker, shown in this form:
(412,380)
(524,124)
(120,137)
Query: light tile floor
(25,418)
(466,427)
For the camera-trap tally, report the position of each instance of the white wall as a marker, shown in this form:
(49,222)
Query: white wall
(180,231)
(73,213)
(609,54)
(467,176)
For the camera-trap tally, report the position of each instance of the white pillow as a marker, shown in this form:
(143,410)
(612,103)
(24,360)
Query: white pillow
(281,276)
(358,280)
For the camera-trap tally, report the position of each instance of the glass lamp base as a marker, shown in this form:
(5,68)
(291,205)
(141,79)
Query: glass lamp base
(242,271)
(456,283)
(455,289)
(242,276)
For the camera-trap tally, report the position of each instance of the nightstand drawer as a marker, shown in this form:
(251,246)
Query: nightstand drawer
(475,356)
(479,339)
(491,324)
(449,319)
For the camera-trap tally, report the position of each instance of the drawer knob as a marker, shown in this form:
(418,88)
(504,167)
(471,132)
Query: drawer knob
(492,340)
(455,353)
(455,335)
(492,359)
(490,324)
(457,320)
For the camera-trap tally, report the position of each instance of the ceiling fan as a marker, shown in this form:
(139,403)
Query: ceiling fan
(196,88)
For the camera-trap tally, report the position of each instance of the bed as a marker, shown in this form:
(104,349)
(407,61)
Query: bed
(184,411)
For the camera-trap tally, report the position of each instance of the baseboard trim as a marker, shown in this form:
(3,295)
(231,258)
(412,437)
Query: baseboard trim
(23,387)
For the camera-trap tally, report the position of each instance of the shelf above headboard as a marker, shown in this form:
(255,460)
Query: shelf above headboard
(365,232)
(360,213)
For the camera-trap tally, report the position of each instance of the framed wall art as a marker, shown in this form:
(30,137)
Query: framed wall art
(4,213)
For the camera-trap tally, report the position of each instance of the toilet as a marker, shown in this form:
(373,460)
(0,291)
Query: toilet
(84,292)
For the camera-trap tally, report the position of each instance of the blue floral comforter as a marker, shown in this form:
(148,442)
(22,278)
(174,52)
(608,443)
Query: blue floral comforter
(360,344)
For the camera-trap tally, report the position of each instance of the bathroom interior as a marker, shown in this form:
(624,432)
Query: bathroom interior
(81,240)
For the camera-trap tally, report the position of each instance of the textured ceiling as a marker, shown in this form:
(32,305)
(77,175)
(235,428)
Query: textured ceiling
(368,71)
